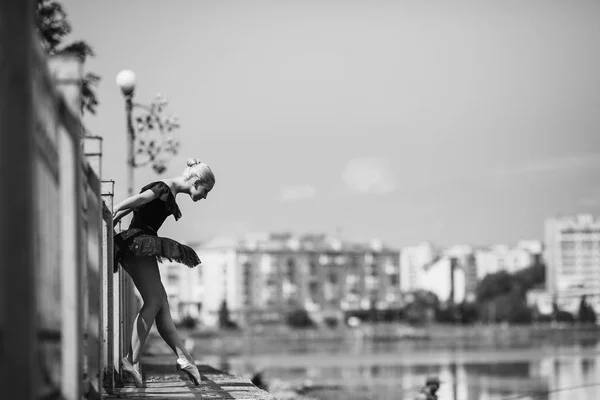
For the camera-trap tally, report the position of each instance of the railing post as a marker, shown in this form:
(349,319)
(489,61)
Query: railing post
(121,311)
(111,296)
(128,305)
(92,149)
(93,282)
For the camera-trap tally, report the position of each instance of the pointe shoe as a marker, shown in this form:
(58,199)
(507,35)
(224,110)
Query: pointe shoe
(190,369)
(131,370)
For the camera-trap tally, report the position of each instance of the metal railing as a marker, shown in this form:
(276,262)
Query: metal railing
(111,293)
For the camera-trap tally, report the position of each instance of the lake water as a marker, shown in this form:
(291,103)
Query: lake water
(390,371)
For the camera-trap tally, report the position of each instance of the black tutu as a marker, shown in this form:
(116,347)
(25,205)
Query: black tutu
(144,242)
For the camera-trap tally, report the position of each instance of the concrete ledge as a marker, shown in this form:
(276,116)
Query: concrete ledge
(163,382)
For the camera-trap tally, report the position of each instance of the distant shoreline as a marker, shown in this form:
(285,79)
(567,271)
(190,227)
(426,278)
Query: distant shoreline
(274,340)
(391,331)
(410,359)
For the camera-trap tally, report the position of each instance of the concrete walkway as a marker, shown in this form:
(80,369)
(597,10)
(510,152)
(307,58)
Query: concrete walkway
(215,385)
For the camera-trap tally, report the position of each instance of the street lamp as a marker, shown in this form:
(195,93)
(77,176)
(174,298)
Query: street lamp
(126,81)
(152,132)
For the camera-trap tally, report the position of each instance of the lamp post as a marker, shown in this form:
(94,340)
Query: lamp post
(151,134)
(126,81)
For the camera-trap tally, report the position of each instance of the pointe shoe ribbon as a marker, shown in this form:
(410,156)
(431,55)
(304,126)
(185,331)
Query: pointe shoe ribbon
(190,369)
(131,370)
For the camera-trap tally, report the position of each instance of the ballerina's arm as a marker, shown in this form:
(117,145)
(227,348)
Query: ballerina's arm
(120,214)
(131,203)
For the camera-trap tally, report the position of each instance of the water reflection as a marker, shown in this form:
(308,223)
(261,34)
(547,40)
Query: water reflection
(466,375)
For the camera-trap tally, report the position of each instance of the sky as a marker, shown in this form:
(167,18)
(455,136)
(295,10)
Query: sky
(463,122)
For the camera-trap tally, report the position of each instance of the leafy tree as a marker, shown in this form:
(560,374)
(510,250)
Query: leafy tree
(502,296)
(532,276)
(448,314)
(331,322)
(462,313)
(559,315)
(225,321)
(468,312)
(52,26)
(424,305)
(586,312)
(501,283)
(299,318)
(494,285)
(508,307)
(189,322)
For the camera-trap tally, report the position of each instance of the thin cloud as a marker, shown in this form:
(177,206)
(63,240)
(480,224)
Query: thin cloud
(556,164)
(369,176)
(289,193)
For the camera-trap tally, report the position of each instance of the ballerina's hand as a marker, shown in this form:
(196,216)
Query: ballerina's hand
(116,218)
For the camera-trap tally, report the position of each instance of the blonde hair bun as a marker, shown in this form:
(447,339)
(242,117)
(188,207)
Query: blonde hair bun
(199,170)
(192,161)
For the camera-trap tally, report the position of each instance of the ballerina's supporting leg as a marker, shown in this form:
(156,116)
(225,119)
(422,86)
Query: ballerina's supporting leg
(167,330)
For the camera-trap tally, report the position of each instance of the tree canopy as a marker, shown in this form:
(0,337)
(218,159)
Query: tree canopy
(502,296)
(53,27)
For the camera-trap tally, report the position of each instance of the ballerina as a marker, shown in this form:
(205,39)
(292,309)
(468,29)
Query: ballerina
(138,250)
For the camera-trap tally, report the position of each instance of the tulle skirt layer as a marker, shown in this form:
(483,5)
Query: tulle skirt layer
(145,243)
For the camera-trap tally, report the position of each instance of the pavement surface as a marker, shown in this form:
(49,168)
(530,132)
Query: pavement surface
(215,385)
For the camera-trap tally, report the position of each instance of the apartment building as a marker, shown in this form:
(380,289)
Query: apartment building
(263,276)
(572,255)
(446,279)
(413,261)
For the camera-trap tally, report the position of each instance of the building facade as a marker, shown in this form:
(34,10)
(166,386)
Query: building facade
(464,266)
(496,258)
(413,261)
(261,277)
(488,262)
(572,255)
(446,279)
(184,290)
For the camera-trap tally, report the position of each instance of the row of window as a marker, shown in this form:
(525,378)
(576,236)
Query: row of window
(333,278)
(582,257)
(314,265)
(582,244)
(353,284)
(291,269)
(581,231)
(334,299)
